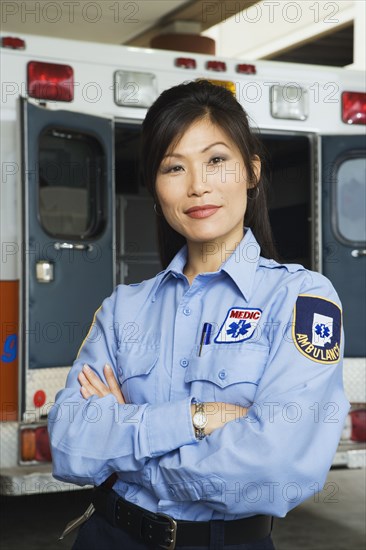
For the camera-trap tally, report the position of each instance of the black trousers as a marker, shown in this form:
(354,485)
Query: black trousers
(98,534)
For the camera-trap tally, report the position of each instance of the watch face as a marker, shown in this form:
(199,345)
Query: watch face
(199,419)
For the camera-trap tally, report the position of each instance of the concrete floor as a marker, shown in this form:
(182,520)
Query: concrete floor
(333,520)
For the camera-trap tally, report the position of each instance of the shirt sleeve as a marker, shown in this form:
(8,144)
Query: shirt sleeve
(90,439)
(280,453)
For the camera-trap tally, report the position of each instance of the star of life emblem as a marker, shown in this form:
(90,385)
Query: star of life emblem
(239,325)
(322,330)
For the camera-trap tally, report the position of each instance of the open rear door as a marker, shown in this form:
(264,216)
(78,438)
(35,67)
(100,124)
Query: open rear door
(68,231)
(344,231)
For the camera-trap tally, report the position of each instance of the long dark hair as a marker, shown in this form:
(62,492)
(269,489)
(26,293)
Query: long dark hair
(166,121)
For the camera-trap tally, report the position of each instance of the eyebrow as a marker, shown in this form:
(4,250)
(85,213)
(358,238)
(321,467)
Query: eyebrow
(177,155)
(213,145)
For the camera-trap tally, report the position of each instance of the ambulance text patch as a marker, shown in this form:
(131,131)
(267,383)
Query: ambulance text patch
(317,328)
(239,325)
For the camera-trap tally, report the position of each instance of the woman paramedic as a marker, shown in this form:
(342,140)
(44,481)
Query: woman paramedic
(212,392)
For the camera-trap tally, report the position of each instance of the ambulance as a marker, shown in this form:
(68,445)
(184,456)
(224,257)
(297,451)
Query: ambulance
(76,219)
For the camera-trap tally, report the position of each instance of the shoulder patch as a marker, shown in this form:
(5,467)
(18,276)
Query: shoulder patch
(317,328)
(239,325)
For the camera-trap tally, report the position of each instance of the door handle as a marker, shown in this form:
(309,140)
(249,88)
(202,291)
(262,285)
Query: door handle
(73,246)
(357,253)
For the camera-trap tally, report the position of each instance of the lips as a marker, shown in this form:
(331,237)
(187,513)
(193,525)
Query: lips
(203,211)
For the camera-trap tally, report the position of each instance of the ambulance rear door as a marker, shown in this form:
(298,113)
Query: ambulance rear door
(68,230)
(344,231)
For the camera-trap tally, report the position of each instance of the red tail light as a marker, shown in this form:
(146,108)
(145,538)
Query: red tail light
(358,425)
(43,452)
(354,107)
(34,444)
(50,81)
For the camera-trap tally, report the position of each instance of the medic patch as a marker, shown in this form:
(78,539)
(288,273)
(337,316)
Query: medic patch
(239,325)
(317,328)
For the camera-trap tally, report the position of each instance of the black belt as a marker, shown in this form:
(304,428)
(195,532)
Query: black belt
(167,533)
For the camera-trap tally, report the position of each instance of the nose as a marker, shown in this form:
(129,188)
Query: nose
(199,181)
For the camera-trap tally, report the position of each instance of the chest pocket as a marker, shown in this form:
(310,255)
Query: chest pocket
(228,373)
(136,372)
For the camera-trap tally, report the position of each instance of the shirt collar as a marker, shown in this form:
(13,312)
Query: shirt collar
(174,269)
(241,265)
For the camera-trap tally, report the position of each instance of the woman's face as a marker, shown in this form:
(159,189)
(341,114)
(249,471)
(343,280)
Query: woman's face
(201,185)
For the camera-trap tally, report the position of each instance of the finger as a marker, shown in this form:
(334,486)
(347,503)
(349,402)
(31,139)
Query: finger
(84,392)
(94,381)
(110,378)
(89,389)
(113,384)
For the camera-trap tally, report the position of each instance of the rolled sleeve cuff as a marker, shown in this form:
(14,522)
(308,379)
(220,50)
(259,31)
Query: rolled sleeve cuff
(169,426)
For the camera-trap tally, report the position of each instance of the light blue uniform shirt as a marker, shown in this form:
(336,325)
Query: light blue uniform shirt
(275,346)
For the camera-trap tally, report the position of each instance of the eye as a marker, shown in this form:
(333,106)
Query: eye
(216,160)
(171,169)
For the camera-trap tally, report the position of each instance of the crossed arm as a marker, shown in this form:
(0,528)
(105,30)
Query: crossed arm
(91,385)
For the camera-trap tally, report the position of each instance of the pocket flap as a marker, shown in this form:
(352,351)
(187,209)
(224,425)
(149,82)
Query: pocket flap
(228,364)
(136,360)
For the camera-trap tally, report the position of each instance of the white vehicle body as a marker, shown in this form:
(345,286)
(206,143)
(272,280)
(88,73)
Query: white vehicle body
(315,156)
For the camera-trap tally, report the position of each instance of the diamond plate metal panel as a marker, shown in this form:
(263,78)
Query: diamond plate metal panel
(9,444)
(48,380)
(354,378)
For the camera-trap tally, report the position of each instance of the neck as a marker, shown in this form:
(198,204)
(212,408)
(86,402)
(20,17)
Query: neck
(208,257)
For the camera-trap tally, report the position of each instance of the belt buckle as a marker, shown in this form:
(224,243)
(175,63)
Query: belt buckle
(173,532)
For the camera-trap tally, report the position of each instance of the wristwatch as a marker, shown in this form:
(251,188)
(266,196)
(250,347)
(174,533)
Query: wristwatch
(199,420)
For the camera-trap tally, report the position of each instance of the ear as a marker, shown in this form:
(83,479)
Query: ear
(256,165)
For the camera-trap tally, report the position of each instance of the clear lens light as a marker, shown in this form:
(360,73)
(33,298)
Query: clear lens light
(132,89)
(289,102)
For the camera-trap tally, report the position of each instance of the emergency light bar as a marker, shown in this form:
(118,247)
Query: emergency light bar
(289,102)
(219,66)
(354,107)
(50,81)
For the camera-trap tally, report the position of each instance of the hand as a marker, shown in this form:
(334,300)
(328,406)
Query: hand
(218,414)
(91,384)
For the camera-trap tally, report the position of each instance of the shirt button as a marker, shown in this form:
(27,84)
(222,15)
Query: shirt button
(171,491)
(187,311)
(184,362)
(222,374)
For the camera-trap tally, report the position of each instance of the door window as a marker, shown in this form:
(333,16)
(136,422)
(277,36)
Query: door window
(71,182)
(351,199)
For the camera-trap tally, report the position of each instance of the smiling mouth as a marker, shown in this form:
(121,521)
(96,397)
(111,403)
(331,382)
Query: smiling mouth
(202,211)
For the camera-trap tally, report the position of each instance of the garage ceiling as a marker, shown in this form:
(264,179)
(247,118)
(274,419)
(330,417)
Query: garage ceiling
(132,22)
(135,22)
(335,48)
